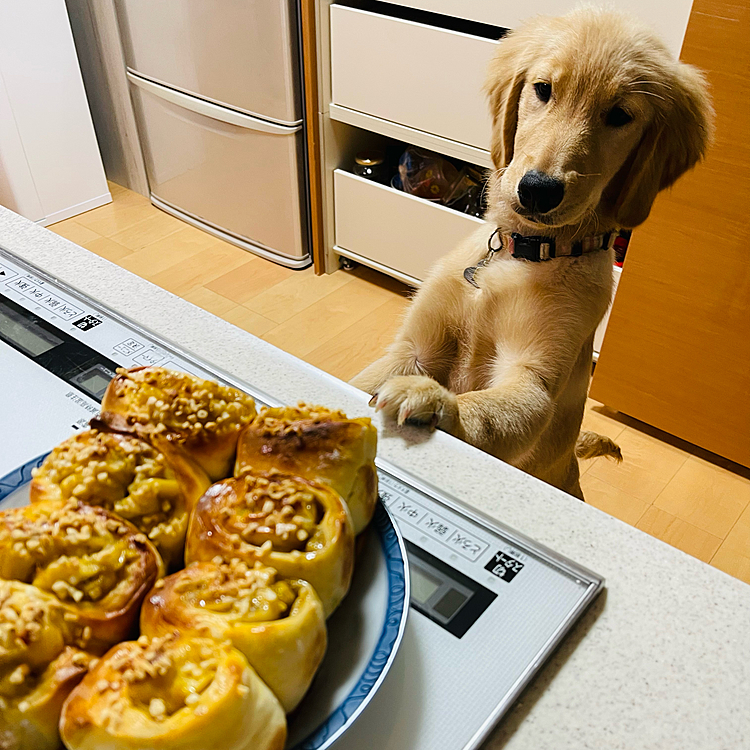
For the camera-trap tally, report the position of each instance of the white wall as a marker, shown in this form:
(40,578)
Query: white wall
(49,158)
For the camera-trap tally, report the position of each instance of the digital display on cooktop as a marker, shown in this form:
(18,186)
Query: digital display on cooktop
(423,585)
(33,339)
(95,381)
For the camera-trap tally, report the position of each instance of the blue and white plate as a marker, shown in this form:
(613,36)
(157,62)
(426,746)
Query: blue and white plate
(363,634)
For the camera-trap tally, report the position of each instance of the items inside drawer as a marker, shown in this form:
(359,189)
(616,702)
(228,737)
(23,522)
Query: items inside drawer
(424,174)
(399,208)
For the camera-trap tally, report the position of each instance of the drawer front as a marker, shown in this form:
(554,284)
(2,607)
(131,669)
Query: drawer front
(235,52)
(669,19)
(241,175)
(394,229)
(412,74)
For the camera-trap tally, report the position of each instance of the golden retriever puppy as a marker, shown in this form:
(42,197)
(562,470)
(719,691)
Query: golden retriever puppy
(592,117)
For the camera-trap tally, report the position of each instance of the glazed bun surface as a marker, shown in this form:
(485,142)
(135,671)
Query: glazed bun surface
(277,623)
(316,443)
(99,566)
(205,418)
(40,663)
(155,490)
(173,693)
(300,528)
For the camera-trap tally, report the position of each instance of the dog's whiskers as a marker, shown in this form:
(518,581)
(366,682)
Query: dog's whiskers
(595,217)
(589,216)
(650,83)
(651,93)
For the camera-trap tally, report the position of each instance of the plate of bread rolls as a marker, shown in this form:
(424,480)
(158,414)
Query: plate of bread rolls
(196,571)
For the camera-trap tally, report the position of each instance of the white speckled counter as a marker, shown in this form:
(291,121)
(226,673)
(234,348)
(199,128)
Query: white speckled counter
(661,661)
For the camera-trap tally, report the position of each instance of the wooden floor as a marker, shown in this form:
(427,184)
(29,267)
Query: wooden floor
(687,497)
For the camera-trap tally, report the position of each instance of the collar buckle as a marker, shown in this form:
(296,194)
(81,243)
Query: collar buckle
(532,248)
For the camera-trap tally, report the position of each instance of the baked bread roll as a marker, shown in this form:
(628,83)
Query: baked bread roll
(319,444)
(154,490)
(299,527)
(173,693)
(38,666)
(202,416)
(277,623)
(99,566)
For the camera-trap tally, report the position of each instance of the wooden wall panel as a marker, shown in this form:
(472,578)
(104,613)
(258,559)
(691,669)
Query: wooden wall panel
(677,350)
(310,74)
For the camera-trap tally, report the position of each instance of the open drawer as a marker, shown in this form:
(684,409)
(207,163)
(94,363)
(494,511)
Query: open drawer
(393,231)
(419,76)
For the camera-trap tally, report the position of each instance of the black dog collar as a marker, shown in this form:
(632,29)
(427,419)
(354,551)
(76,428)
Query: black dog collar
(537,249)
(545,248)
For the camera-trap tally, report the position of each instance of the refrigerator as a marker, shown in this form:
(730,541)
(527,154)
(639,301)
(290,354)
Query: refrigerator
(217,91)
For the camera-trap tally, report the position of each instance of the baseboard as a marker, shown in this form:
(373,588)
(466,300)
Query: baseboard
(80,208)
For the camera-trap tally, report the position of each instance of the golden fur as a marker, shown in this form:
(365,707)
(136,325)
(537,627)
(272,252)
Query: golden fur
(506,367)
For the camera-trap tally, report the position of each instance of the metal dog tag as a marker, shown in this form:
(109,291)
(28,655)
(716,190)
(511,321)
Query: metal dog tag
(470,272)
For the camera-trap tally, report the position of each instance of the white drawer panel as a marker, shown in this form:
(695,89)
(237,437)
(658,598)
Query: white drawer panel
(601,330)
(669,19)
(416,75)
(397,230)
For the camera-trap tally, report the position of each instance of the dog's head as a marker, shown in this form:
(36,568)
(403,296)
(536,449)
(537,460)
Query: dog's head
(592,116)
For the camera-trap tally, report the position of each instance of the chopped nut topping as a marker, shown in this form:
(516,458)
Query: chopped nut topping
(185,404)
(77,552)
(160,676)
(121,473)
(33,634)
(157,708)
(272,512)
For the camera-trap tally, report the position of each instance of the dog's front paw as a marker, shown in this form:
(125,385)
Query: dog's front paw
(416,399)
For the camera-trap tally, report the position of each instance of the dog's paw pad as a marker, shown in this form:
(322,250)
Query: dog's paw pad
(414,399)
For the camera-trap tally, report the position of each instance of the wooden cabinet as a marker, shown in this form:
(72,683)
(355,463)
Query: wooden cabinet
(677,350)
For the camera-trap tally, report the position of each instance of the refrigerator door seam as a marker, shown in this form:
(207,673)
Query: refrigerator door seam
(207,109)
(296,262)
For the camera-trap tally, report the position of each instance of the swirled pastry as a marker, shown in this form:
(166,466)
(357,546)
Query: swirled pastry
(319,444)
(154,490)
(99,566)
(277,623)
(202,416)
(38,666)
(300,528)
(173,693)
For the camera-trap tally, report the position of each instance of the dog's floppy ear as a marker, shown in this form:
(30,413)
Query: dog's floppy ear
(507,73)
(673,143)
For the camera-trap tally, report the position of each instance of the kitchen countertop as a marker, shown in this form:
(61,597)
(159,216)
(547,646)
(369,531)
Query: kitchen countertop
(660,661)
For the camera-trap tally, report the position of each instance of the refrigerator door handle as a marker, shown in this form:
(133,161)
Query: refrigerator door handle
(214,111)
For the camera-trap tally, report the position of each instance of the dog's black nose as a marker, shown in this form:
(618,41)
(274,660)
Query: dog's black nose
(539,192)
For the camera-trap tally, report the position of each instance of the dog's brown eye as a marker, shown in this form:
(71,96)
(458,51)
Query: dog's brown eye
(543,91)
(617,117)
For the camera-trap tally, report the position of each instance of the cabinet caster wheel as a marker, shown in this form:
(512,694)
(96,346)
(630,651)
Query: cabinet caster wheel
(347,264)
